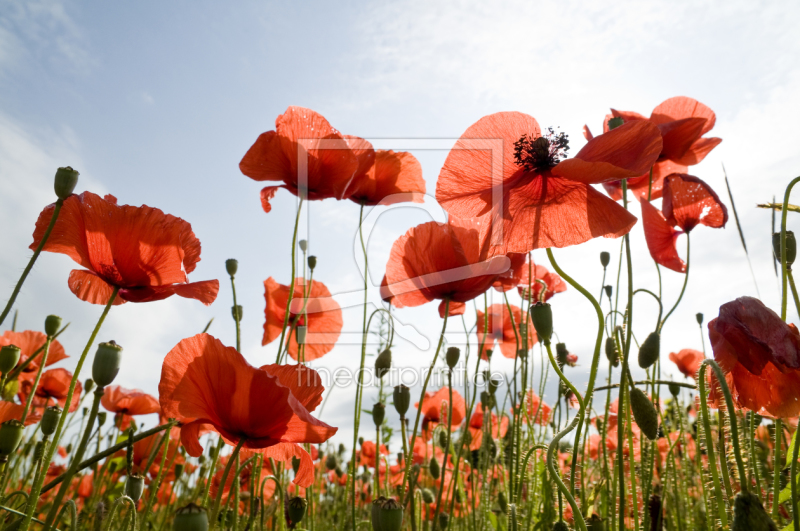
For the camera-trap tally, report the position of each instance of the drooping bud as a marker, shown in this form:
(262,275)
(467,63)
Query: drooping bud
(650,349)
(444,520)
(190,518)
(134,487)
(383,363)
(51,325)
(502,502)
(605,258)
(9,357)
(433,468)
(402,399)
(65,181)
(749,514)
(612,354)
(615,122)
(644,413)
(312,262)
(442,440)
(391,515)
(303,244)
(791,247)
(451,357)
(11,432)
(232,266)
(49,421)
(542,318)
(106,363)
(300,332)
(375,512)
(295,511)
(378,413)
(237,312)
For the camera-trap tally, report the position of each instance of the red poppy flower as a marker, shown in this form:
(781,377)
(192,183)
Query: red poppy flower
(554,284)
(500,329)
(435,407)
(53,388)
(29,342)
(145,253)
(391,178)
(538,411)
(689,201)
(313,159)
(204,383)
(12,411)
(151,450)
(760,356)
(546,201)
(511,278)
(682,122)
(322,317)
(499,429)
(661,238)
(127,403)
(367,453)
(688,361)
(440,261)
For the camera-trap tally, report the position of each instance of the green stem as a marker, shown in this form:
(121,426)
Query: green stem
(291,284)
(36,380)
(794,290)
(683,289)
(446,447)
(776,468)
(237,317)
(15,372)
(157,484)
(215,508)
(212,470)
(784,266)
(793,477)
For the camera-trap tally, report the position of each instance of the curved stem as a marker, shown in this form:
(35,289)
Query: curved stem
(291,284)
(784,212)
(114,508)
(658,300)
(28,268)
(683,289)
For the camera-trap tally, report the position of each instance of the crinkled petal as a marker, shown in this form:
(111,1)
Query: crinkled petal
(689,201)
(661,238)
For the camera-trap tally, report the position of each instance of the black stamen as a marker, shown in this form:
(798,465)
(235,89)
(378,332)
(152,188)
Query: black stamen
(541,153)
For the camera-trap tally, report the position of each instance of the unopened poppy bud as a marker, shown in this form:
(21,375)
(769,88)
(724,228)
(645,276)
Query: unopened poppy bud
(383,363)
(190,518)
(433,468)
(391,517)
(312,262)
(339,472)
(427,496)
(68,448)
(605,258)
(49,421)
(699,318)
(178,471)
(9,357)
(674,389)
(330,462)
(791,247)
(101,418)
(487,399)
(749,514)
(51,325)
(444,520)
(597,524)
(212,452)
(375,513)
(295,464)
(644,413)
(402,399)
(361,441)
(342,449)
(650,349)
(65,182)
(134,487)
(488,353)
(451,357)
(542,317)
(106,363)
(378,413)
(88,386)
(561,353)
(615,122)
(611,351)
(560,525)
(295,511)
(301,331)
(236,312)
(494,383)
(10,436)
(502,502)
(303,244)
(608,289)
(442,440)
(232,266)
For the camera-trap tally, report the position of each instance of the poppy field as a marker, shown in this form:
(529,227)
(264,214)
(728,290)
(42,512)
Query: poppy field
(467,448)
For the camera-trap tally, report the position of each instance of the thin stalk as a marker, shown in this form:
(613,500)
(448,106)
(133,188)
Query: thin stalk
(237,317)
(212,470)
(776,468)
(157,484)
(212,519)
(291,284)
(36,380)
(683,289)
(784,265)
(446,447)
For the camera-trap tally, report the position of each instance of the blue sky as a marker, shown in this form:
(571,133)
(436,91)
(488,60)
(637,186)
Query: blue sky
(156,102)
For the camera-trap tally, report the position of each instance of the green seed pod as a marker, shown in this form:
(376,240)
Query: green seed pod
(375,512)
(237,312)
(9,357)
(51,325)
(232,266)
(561,525)
(488,353)
(303,244)
(542,318)
(383,363)
(452,355)
(68,448)
(612,354)
(674,389)
(791,247)
(331,462)
(134,487)
(427,496)
(749,514)
(178,469)
(391,516)
(608,289)
(11,432)
(502,502)
(65,181)
(442,440)
(101,418)
(88,385)
(494,383)
(106,363)
(605,258)
(295,464)
(615,122)
(433,468)
(699,318)
(487,399)
(444,520)
(644,413)
(378,413)
(649,351)
(596,523)
(49,421)
(295,511)
(402,399)
(312,262)
(190,518)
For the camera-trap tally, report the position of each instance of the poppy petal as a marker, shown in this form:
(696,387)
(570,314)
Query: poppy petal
(204,291)
(363,151)
(678,136)
(393,178)
(689,201)
(90,288)
(698,151)
(267,193)
(266,160)
(190,437)
(456,308)
(681,107)
(303,381)
(284,452)
(660,237)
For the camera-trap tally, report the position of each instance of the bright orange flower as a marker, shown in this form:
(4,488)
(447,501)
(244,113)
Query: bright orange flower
(440,261)
(661,238)
(12,411)
(435,407)
(29,342)
(52,390)
(688,361)
(500,329)
(140,250)
(538,411)
(322,317)
(760,356)
(499,429)
(206,384)
(504,169)
(127,403)
(304,151)
(391,178)
(689,201)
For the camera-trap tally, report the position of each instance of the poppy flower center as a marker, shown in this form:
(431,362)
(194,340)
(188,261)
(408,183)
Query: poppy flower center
(541,153)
